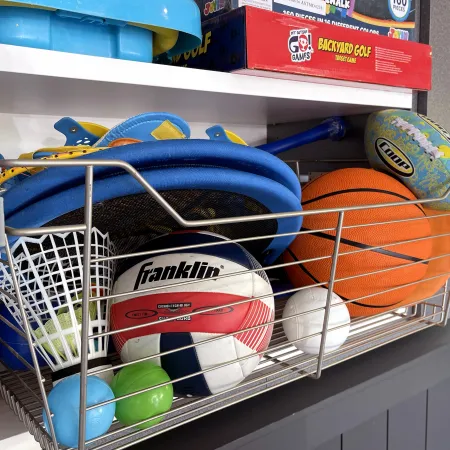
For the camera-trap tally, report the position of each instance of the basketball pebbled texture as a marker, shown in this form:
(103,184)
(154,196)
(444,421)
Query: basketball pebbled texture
(412,148)
(354,187)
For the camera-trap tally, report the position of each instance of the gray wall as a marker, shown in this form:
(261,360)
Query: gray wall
(439,97)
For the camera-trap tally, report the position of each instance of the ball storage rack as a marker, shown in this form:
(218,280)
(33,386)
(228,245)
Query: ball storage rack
(282,363)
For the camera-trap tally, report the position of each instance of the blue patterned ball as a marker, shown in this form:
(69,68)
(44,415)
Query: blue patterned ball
(414,149)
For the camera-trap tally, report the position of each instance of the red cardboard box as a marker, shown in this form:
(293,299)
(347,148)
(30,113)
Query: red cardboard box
(259,42)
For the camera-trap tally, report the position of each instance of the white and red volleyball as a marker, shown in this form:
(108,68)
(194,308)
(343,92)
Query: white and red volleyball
(175,267)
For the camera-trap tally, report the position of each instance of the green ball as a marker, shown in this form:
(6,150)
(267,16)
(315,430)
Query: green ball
(146,405)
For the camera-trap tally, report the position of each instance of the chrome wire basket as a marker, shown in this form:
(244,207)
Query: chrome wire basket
(281,363)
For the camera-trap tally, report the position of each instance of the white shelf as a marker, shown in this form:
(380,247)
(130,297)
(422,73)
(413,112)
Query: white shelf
(34,81)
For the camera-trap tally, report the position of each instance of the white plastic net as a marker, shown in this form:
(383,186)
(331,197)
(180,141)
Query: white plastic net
(50,273)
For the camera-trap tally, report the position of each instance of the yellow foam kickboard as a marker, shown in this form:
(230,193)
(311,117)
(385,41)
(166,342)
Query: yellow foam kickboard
(59,153)
(233,137)
(95,128)
(167,130)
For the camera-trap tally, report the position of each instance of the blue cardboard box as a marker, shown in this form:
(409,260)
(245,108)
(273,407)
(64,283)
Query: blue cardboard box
(393,18)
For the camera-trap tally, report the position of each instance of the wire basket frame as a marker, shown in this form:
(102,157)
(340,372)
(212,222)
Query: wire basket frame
(281,362)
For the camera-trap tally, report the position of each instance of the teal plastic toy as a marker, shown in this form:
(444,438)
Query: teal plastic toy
(136,30)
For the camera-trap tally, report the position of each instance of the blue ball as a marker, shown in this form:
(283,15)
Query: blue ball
(16,341)
(64,403)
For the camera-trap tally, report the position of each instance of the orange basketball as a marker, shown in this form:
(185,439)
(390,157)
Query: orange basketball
(355,187)
(440,262)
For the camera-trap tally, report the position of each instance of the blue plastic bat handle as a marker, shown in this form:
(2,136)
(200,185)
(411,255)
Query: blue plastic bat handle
(333,128)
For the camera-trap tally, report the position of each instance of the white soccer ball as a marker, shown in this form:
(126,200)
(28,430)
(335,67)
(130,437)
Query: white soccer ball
(312,323)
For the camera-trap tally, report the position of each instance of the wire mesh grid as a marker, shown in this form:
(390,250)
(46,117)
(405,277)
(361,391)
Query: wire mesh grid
(280,363)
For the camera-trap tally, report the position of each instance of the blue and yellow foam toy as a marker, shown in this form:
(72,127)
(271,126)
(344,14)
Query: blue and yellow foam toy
(84,138)
(137,30)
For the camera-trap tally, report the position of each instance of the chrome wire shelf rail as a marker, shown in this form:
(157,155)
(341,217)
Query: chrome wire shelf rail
(281,363)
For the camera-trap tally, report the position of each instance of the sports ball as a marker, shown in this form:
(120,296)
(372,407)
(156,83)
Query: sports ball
(134,409)
(64,403)
(440,261)
(412,148)
(17,342)
(355,187)
(173,267)
(312,323)
(55,338)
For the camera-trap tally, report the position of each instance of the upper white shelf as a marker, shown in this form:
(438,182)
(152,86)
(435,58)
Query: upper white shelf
(34,81)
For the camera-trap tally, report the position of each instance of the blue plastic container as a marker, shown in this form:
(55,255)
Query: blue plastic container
(136,30)
(52,30)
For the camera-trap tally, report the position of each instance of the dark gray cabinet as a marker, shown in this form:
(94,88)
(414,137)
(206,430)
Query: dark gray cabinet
(393,398)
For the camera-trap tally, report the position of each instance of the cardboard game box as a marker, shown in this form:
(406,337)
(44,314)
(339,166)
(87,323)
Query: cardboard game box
(259,42)
(393,18)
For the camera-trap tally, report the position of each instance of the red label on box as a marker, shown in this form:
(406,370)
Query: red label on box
(280,43)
